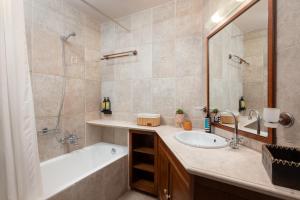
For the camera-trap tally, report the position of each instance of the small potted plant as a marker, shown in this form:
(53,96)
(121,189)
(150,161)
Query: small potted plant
(213,115)
(179,117)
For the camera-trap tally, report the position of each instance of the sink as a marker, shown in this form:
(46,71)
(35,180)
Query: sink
(253,125)
(201,139)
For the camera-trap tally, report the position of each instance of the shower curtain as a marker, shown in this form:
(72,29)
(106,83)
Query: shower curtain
(20,177)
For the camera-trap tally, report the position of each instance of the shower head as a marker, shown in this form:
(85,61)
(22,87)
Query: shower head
(65,38)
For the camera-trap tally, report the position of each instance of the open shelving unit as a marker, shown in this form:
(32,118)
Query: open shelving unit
(143,161)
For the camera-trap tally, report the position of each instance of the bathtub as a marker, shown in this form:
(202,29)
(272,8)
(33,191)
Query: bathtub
(61,174)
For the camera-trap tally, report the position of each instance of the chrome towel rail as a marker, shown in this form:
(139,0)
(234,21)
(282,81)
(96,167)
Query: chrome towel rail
(118,55)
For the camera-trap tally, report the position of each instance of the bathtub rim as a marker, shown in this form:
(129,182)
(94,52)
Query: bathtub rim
(86,174)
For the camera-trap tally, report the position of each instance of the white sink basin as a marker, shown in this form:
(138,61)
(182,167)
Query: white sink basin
(201,139)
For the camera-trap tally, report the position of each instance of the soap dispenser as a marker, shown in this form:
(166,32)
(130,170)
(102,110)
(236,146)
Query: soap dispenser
(207,123)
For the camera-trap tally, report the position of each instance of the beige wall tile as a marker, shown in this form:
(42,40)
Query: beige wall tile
(92,95)
(49,147)
(122,101)
(47,94)
(164,96)
(121,136)
(163,60)
(74,97)
(46,52)
(93,134)
(108,135)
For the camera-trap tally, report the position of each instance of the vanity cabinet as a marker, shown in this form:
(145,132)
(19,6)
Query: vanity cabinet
(174,183)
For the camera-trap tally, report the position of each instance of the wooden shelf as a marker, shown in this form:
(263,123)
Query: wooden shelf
(145,167)
(145,150)
(143,161)
(144,185)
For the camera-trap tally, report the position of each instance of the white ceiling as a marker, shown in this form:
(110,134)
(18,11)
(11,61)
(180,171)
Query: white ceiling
(256,18)
(116,8)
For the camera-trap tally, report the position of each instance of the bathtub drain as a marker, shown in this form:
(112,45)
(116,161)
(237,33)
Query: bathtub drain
(113,151)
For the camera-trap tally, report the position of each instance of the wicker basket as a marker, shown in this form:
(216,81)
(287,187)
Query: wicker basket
(145,119)
(282,165)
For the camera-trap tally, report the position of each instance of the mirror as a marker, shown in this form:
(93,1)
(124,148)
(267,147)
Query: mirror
(240,67)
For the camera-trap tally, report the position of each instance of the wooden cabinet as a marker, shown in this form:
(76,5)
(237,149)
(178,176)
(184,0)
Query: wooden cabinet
(174,183)
(143,161)
(154,169)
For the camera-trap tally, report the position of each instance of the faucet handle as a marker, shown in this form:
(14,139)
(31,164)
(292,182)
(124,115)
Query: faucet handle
(235,142)
(240,140)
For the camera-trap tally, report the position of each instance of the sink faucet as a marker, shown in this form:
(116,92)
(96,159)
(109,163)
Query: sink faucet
(258,117)
(235,141)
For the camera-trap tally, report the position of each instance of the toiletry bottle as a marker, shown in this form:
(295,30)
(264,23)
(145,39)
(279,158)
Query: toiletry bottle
(108,105)
(104,104)
(207,125)
(101,105)
(242,104)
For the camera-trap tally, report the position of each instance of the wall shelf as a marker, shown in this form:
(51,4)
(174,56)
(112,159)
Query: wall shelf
(145,167)
(145,150)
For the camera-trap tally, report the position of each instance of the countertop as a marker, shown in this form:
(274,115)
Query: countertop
(242,167)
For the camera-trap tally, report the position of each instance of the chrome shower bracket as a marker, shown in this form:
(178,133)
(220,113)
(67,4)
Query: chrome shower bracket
(286,119)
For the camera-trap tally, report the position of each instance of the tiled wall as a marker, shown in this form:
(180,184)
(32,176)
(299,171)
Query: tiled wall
(46,21)
(166,74)
(288,69)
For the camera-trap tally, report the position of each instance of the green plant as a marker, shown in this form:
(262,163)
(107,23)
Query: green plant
(179,111)
(215,110)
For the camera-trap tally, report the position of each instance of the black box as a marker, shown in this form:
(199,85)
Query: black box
(282,165)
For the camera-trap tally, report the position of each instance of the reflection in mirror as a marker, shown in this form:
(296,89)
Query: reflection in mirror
(238,68)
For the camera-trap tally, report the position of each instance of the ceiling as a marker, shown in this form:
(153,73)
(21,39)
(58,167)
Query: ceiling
(256,18)
(115,8)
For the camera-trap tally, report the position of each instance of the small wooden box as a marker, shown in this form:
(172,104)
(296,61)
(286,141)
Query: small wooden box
(227,119)
(145,119)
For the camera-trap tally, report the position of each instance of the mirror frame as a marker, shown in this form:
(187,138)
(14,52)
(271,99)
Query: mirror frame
(271,139)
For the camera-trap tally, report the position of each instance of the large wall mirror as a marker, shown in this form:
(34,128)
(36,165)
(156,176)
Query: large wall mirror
(241,67)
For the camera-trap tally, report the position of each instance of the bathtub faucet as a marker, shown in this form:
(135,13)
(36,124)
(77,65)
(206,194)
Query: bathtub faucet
(70,139)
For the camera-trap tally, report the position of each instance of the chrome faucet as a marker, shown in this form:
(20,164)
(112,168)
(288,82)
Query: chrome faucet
(258,117)
(235,141)
(70,139)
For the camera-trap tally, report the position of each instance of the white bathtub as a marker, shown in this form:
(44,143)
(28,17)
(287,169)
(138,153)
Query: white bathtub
(62,172)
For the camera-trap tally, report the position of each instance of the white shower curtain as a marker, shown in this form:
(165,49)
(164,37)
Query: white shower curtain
(20,177)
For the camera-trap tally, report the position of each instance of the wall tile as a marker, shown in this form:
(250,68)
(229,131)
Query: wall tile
(142,96)
(47,92)
(92,95)
(122,96)
(74,97)
(188,56)
(164,96)
(46,52)
(163,61)
(49,147)
(164,12)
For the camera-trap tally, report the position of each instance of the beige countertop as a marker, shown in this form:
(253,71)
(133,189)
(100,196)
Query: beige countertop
(242,167)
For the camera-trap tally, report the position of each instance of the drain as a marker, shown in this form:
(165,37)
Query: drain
(113,151)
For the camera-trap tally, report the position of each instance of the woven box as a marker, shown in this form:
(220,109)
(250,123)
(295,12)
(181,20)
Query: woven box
(282,165)
(146,119)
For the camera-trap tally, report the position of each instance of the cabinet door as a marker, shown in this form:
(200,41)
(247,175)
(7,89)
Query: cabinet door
(179,188)
(163,175)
